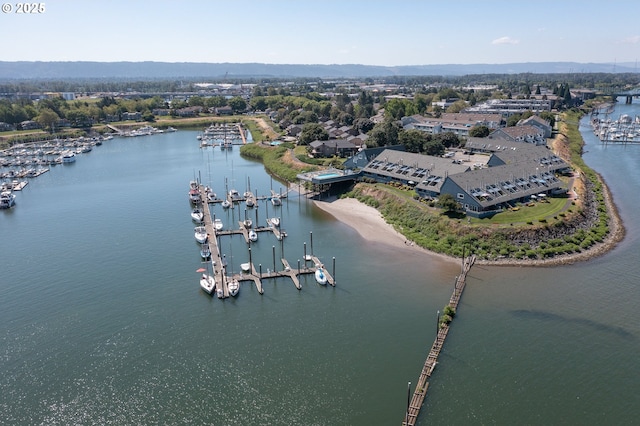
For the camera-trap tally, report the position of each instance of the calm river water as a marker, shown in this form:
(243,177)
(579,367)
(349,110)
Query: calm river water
(102,320)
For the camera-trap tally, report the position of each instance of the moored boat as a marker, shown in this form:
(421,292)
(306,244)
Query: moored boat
(217,224)
(234,286)
(207,283)
(197,214)
(275,200)
(68,157)
(253,235)
(275,221)
(7,199)
(205,251)
(320,275)
(194,196)
(200,233)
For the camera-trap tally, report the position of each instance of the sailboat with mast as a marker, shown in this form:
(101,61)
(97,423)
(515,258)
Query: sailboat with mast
(233,285)
(207,280)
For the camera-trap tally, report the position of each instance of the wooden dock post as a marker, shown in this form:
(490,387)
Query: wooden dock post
(334,269)
(273,250)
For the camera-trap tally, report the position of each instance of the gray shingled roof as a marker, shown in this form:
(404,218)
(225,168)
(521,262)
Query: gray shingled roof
(502,184)
(407,166)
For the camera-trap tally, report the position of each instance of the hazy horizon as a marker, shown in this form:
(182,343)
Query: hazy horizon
(374,33)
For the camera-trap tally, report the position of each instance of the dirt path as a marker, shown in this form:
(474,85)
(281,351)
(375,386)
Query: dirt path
(264,127)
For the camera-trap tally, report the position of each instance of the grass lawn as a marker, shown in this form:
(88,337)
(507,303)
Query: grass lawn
(531,212)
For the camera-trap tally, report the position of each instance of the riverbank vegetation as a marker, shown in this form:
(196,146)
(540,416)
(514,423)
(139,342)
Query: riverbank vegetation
(277,160)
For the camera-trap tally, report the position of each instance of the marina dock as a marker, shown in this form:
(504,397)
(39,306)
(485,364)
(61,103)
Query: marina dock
(415,403)
(255,275)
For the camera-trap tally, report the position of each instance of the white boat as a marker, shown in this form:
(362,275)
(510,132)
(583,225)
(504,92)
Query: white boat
(233,194)
(68,157)
(170,129)
(250,203)
(197,215)
(200,233)
(225,204)
(320,275)
(275,221)
(7,199)
(253,235)
(234,286)
(211,197)
(205,251)
(217,224)
(207,283)
(207,280)
(247,223)
(246,267)
(275,200)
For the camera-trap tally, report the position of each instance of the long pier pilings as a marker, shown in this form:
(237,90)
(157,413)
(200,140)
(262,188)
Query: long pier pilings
(414,404)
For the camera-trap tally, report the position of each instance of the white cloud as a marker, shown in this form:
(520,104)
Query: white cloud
(505,40)
(631,40)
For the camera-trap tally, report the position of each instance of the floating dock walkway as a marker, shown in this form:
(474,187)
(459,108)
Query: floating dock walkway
(255,275)
(415,404)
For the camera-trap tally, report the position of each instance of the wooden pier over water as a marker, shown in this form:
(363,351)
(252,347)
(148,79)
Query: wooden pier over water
(252,274)
(415,403)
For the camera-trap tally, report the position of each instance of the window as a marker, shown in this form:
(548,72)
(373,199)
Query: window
(460,196)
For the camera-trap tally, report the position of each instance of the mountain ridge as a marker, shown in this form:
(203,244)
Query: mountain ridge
(21,70)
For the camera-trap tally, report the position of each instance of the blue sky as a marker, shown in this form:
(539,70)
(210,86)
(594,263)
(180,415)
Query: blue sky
(400,32)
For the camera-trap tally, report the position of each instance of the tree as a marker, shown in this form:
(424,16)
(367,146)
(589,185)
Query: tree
(549,116)
(237,104)
(448,203)
(383,134)
(479,131)
(397,108)
(196,101)
(413,140)
(448,139)
(513,120)
(312,132)
(258,103)
(47,118)
(363,125)
(457,106)
(433,147)
(423,102)
(215,101)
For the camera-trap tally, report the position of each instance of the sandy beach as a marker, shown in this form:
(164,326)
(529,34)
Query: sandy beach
(369,223)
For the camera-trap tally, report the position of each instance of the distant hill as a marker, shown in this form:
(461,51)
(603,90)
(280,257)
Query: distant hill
(191,70)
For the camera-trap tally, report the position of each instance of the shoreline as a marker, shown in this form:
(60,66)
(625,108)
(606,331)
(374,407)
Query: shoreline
(370,225)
